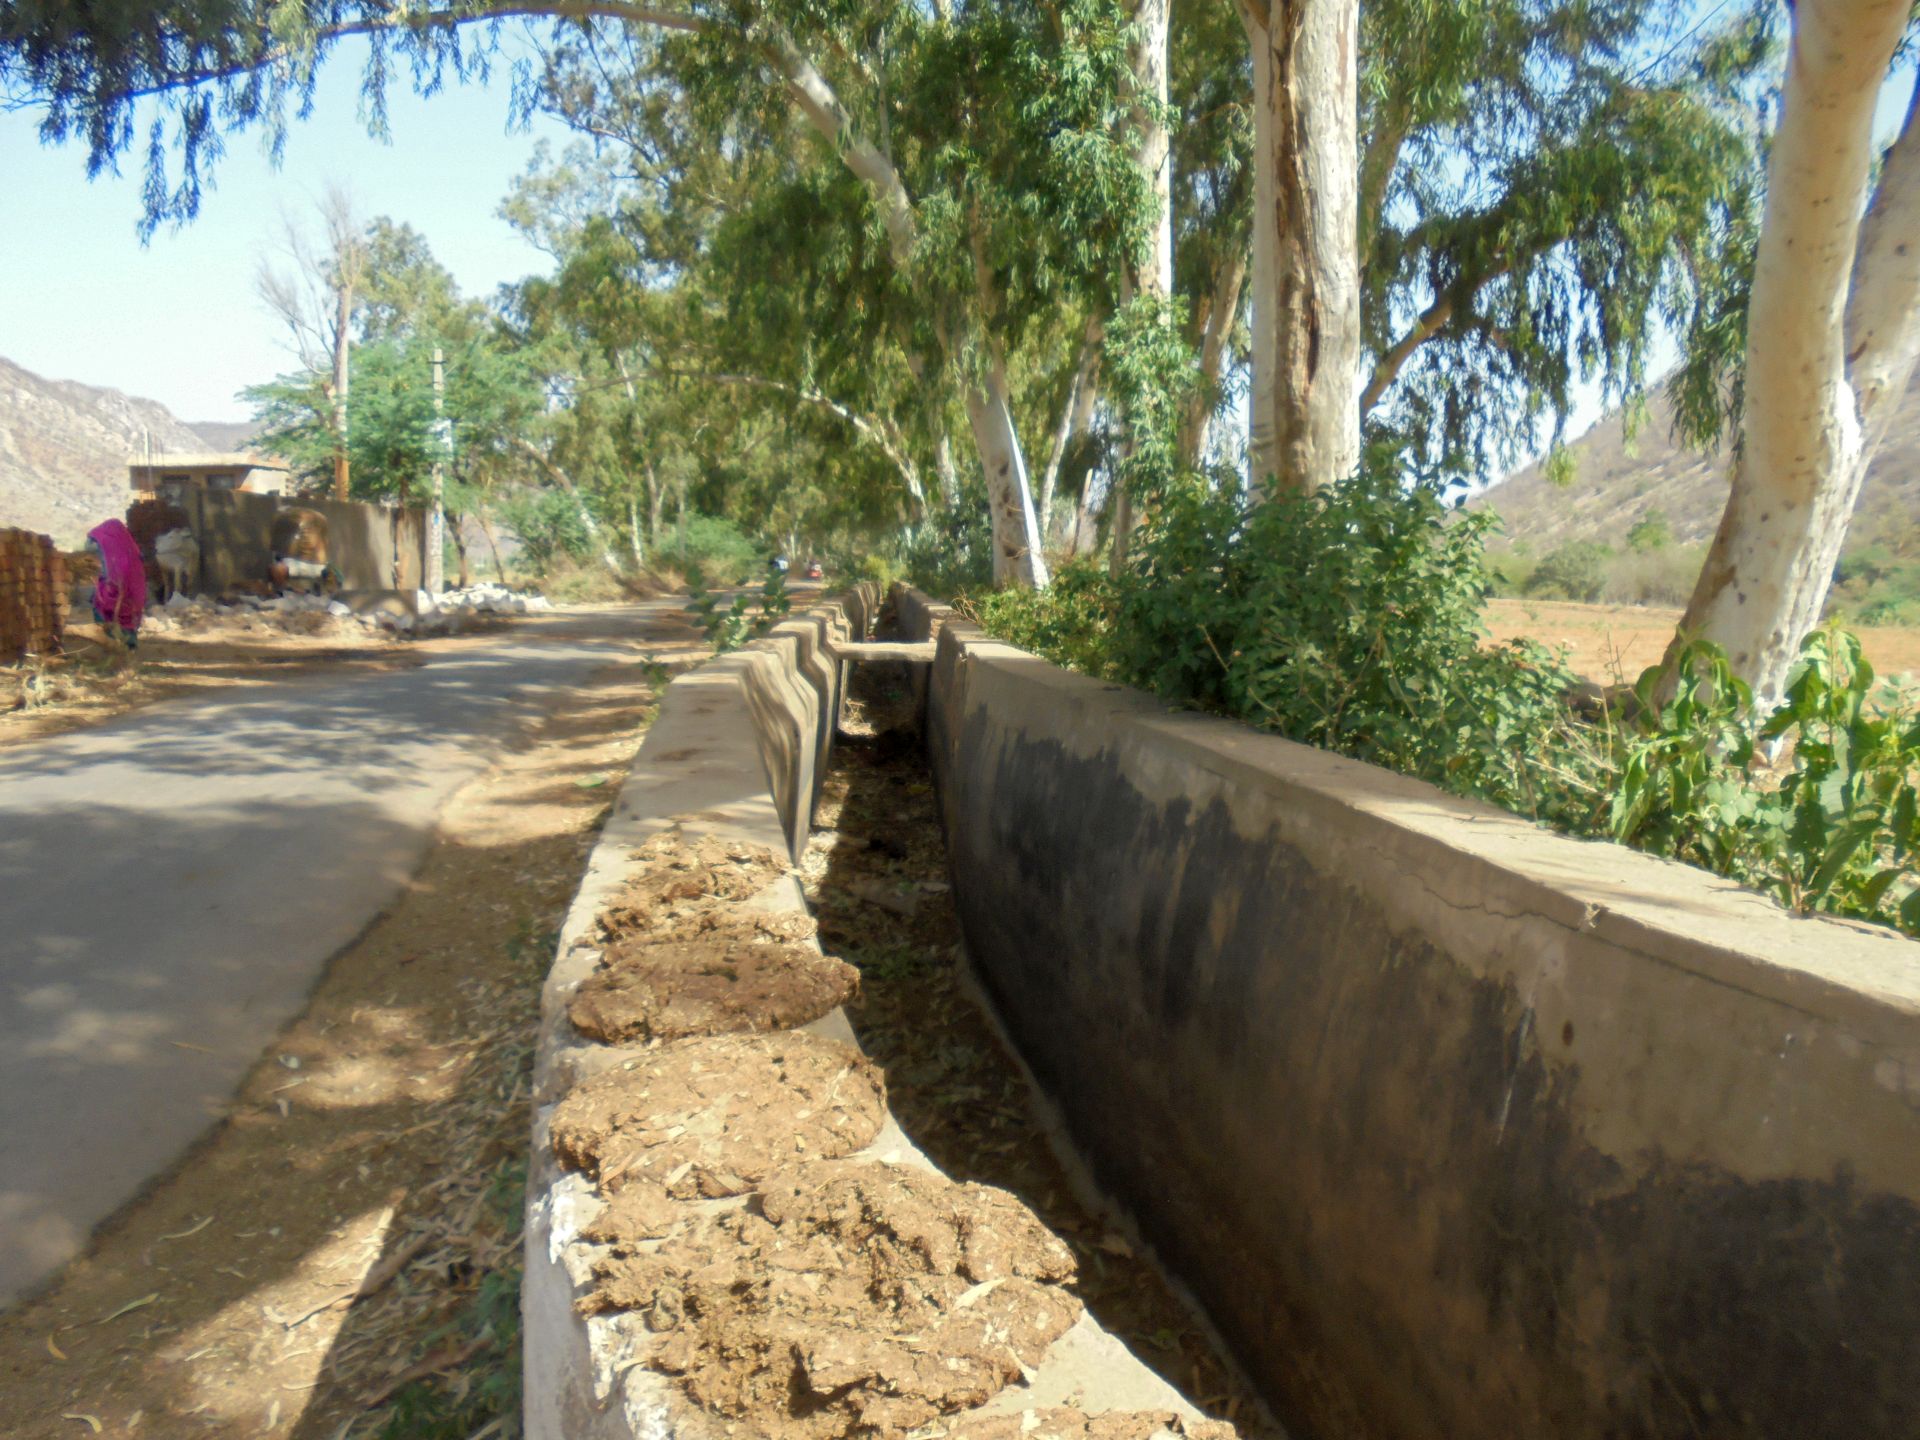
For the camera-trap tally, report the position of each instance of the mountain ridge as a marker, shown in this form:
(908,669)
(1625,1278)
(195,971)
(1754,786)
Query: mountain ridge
(1617,481)
(64,447)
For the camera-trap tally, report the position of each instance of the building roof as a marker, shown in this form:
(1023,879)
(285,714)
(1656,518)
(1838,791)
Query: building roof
(211,460)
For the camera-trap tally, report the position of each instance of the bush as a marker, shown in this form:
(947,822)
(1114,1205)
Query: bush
(1662,576)
(549,527)
(1575,571)
(1650,532)
(952,557)
(719,550)
(1351,620)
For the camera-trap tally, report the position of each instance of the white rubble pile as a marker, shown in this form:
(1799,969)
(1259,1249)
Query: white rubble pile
(295,613)
(486,600)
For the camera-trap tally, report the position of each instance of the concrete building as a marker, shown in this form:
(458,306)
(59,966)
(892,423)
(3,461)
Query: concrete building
(168,476)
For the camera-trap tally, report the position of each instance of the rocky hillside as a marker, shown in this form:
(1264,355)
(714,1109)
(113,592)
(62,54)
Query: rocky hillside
(1617,481)
(64,449)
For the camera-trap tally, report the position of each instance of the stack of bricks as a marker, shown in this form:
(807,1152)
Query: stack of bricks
(33,595)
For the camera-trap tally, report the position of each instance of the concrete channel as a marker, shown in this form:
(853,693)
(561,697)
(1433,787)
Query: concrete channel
(735,756)
(1454,1127)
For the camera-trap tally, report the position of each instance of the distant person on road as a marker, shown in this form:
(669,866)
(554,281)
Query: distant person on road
(120,595)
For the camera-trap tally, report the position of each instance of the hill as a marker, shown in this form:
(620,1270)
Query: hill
(226,435)
(1618,481)
(64,449)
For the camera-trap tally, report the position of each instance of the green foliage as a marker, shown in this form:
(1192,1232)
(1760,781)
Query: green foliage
(1663,576)
(710,545)
(954,557)
(1681,790)
(1650,532)
(1351,620)
(1576,570)
(1846,817)
(1838,831)
(549,526)
(1875,585)
(1543,189)
(729,626)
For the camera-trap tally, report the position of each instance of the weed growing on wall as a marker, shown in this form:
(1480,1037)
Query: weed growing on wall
(1351,620)
(729,626)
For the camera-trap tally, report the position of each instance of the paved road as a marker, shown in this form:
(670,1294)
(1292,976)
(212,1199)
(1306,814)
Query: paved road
(181,876)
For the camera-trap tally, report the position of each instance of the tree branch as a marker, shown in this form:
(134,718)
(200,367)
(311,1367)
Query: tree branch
(1430,323)
(419,22)
(877,430)
(1883,304)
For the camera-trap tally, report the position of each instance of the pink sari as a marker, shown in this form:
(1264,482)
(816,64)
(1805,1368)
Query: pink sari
(120,596)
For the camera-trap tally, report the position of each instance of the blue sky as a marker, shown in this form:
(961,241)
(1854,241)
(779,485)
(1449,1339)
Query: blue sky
(177,320)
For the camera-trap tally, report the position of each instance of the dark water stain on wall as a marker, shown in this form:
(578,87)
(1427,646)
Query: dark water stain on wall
(1354,1145)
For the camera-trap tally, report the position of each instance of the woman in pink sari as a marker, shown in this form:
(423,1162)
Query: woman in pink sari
(120,596)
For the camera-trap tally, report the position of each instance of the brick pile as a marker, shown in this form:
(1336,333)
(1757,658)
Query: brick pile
(33,595)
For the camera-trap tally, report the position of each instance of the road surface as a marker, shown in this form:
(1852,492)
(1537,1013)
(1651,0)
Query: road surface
(172,884)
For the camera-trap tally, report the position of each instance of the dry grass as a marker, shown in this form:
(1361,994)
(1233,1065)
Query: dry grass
(1612,644)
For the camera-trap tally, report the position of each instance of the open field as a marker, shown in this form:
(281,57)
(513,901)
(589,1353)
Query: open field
(1614,643)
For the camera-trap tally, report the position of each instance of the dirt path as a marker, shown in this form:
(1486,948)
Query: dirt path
(94,680)
(340,1258)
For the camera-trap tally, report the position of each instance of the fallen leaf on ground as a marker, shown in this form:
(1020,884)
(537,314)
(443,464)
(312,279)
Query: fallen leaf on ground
(131,1305)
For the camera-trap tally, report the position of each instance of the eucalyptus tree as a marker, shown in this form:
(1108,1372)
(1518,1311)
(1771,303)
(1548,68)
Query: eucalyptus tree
(1831,337)
(1213,202)
(403,306)
(1305,344)
(1542,188)
(986,135)
(313,296)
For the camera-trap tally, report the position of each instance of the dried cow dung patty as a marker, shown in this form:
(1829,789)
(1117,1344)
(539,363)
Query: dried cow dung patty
(1064,1423)
(708,1117)
(858,1299)
(728,980)
(676,875)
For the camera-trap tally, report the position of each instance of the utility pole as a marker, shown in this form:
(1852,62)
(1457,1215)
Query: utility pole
(341,342)
(442,450)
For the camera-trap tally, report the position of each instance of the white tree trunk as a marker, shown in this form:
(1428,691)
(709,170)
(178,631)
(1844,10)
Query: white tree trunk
(1305,426)
(1153,275)
(342,342)
(1832,331)
(1154,154)
(1075,416)
(945,473)
(1016,531)
(1222,309)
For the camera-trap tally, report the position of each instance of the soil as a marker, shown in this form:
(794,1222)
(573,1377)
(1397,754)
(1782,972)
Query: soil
(339,1259)
(857,1299)
(709,1117)
(1612,644)
(676,878)
(97,679)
